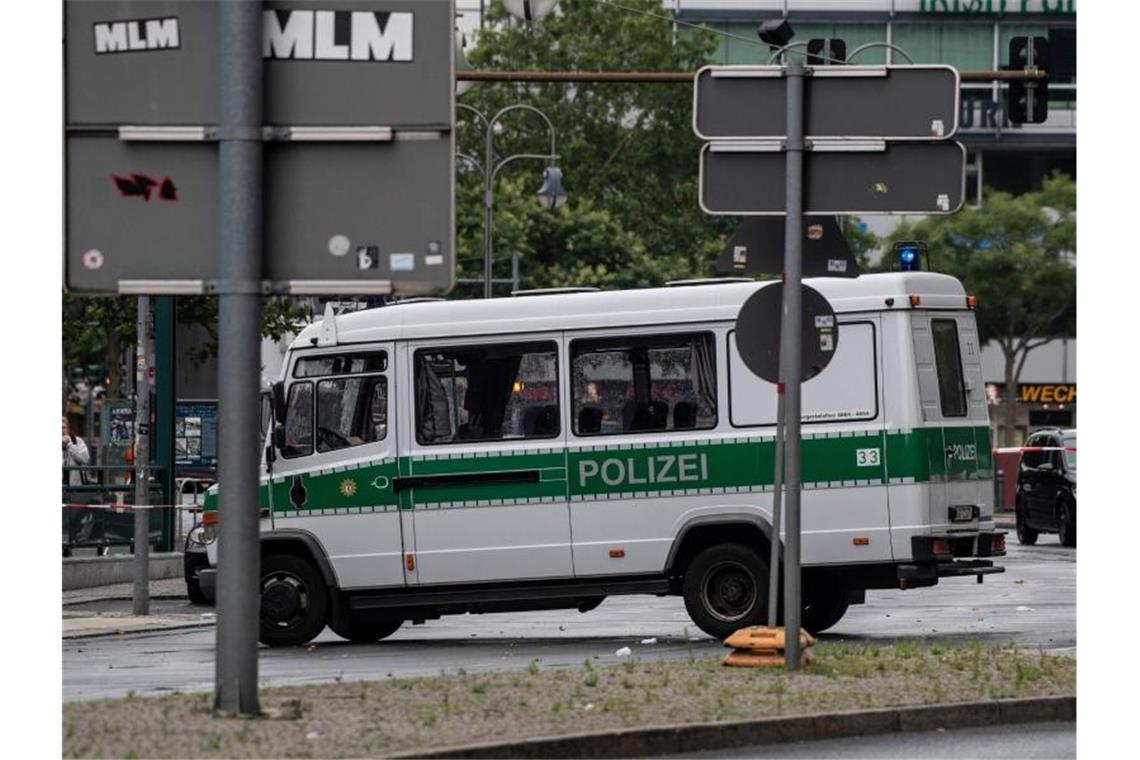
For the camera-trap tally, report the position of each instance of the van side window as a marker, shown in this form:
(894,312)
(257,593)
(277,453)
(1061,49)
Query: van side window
(299,421)
(643,383)
(351,411)
(948,363)
(846,391)
(487,393)
(341,364)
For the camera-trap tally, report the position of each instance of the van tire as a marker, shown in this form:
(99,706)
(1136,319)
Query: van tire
(823,608)
(294,601)
(725,589)
(1026,536)
(366,631)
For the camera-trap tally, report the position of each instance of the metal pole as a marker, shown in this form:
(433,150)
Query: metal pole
(777,491)
(790,355)
(488,200)
(514,271)
(240,202)
(142,454)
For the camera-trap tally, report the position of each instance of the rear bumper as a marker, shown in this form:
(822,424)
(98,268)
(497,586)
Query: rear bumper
(968,556)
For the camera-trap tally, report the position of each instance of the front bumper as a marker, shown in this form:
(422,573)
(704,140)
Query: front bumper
(208,582)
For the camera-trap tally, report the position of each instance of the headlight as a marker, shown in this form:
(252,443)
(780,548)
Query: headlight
(203,535)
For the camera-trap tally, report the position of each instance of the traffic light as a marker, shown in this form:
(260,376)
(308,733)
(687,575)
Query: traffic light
(1028,101)
(830,51)
(908,256)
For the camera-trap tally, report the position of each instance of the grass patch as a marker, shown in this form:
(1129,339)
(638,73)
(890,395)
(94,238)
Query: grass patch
(376,718)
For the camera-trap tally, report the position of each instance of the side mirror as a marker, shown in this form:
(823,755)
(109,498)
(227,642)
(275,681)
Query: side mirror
(279,401)
(279,435)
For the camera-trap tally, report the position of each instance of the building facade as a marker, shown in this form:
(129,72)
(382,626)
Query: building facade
(967,34)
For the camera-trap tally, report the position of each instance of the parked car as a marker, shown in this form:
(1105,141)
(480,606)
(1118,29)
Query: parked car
(1047,487)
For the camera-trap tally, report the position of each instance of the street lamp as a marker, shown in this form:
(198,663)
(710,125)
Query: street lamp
(529,10)
(551,195)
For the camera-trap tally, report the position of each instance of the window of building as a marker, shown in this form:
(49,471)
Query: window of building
(487,393)
(351,411)
(966,46)
(299,421)
(643,383)
(948,363)
(341,364)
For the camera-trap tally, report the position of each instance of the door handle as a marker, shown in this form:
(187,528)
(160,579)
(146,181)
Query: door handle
(464,478)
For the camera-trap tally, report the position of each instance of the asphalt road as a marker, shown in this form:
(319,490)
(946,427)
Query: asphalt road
(1033,604)
(1031,740)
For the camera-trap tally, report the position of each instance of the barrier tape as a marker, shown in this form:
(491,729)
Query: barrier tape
(1023,449)
(131,507)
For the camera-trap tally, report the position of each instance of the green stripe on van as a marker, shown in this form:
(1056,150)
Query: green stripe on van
(702,466)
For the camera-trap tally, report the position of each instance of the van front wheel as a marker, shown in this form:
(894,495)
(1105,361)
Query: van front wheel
(362,631)
(726,588)
(294,601)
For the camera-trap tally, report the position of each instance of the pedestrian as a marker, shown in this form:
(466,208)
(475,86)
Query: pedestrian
(74,453)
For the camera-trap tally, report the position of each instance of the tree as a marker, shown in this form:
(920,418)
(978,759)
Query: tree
(1017,255)
(97,331)
(627,151)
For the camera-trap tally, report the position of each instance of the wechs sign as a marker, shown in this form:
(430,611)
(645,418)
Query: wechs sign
(136,36)
(1047,393)
(337,35)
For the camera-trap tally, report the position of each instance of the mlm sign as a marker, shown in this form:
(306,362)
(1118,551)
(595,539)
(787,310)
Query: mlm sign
(338,35)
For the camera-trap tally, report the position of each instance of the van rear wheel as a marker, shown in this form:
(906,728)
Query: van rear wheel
(823,608)
(294,601)
(726,588)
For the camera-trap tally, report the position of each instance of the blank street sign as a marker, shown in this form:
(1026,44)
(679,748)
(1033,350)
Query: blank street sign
(848,102)
(340,217)
(745,179)
(757,247)
(758,332)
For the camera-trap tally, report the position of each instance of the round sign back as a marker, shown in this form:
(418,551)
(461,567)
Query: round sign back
(758,332)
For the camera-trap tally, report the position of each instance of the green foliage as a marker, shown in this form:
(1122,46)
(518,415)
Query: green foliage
(627,152)
(97,331)
(1017,255)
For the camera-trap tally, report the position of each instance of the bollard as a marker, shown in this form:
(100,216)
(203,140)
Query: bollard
(999,490)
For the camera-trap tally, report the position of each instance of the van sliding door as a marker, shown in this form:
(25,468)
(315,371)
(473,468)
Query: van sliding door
(485,478)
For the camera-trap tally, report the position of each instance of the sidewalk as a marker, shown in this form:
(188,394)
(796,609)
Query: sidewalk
(108,610)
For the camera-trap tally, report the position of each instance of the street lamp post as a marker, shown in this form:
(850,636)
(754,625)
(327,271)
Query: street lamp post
(551,194)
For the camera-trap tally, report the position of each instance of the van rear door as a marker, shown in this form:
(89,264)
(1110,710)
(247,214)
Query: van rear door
(952,395)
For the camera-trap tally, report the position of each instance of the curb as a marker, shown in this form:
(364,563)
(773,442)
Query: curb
(72,636)
(694,737)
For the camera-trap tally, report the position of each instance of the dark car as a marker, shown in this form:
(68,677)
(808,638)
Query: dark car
(1047,487)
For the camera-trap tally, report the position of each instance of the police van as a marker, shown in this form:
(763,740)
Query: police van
(547,451)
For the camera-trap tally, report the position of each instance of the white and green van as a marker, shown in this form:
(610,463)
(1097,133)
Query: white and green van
(548,451)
